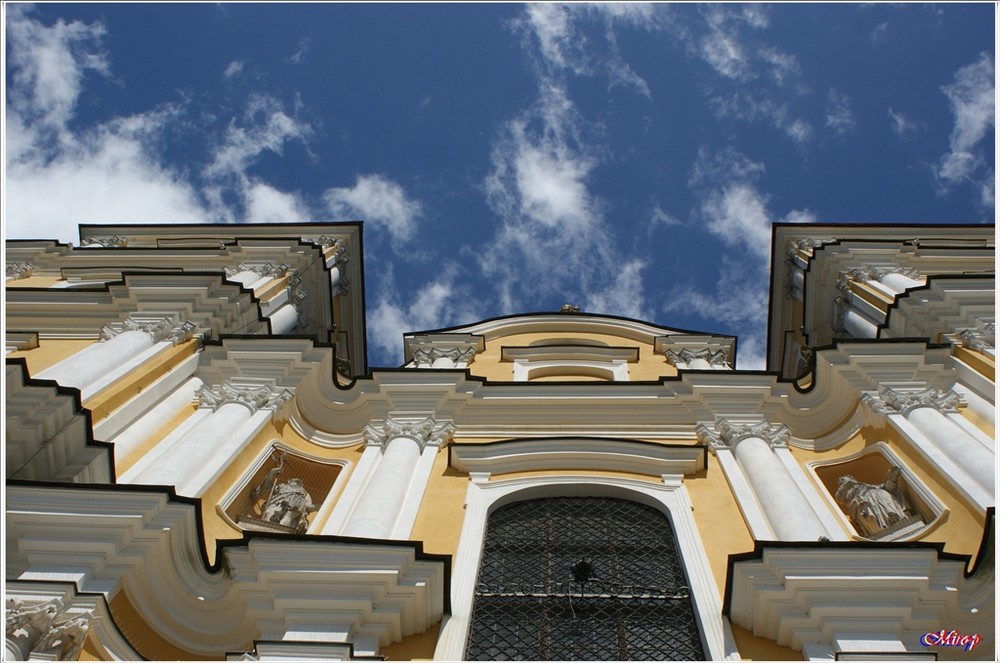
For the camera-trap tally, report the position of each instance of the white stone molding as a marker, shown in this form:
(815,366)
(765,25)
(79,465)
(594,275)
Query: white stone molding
(261,269)
(929,419)
(669,497)
(278,589)
(19,341)
(296,651)
(18,270)
(396,478)
(819,599)
(47,434)
(567,454)
(609,363)
(765,485)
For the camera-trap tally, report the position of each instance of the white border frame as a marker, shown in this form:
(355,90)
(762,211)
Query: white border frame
(670,498)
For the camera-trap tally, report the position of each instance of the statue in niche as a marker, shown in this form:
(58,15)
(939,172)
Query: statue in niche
(290,505)
(874,508)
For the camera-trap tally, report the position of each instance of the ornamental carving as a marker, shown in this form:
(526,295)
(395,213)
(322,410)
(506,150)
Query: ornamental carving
(879,272)
(726,434)
(261,268)
(687,355)
(40,632)
(427,433)
(107,241)
(159,328)
(19,270)
(264,397)
(456,354)
(981,338)
(891,401)
(808,245)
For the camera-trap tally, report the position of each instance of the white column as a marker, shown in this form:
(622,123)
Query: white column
(776,493)
(337,263)
(851,321)
(391,497)
(921,416)
(191,462)
(156,418)
(117,351)
(255,275)
(284,319)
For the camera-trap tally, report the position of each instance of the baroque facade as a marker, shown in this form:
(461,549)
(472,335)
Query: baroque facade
(200,465)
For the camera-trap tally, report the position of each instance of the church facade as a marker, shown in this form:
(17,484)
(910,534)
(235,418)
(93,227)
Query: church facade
(200,464)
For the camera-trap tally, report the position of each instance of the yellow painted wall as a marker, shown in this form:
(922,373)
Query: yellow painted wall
(487,364)
(962,529)
(720,522)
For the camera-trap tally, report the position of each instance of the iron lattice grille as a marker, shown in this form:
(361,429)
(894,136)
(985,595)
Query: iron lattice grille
(581,578)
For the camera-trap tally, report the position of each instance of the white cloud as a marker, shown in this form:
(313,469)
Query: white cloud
(301,51)
(380,202)
(439,303)
(48,66)
(761,105)
(901,125)
(971,97)
(728,164)
(234,69)
(838,112)
(880,33)
(783,67)
(563,47)
(623,295)
(59,175)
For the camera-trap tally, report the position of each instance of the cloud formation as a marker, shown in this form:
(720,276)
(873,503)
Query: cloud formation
(971,98)
(380,202)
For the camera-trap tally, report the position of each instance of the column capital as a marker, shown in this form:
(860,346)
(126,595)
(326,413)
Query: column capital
(19,270)
(726,434)
(427,433)
(878,272)
(687,355)
(893,401)
(456,354)
(981,337)
(253,396)
(161,327)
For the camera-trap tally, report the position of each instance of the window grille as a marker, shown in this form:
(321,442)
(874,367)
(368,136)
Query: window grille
(581,578)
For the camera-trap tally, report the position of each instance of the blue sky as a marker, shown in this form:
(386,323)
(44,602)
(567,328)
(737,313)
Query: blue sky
(629,159)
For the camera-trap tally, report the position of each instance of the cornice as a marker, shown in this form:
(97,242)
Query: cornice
(108,538)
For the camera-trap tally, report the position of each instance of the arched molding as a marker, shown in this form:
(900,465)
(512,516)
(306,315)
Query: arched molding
(669,497)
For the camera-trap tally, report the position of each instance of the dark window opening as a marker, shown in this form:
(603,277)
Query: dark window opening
(581,578)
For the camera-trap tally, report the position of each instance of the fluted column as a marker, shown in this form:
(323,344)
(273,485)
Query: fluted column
(771,497)
(929,419)
(388,504)
(116,351)
(229,417)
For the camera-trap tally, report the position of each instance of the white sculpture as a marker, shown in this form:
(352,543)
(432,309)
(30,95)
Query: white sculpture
(872,508)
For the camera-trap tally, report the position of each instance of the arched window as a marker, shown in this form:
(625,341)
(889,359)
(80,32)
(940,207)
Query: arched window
(581,578)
